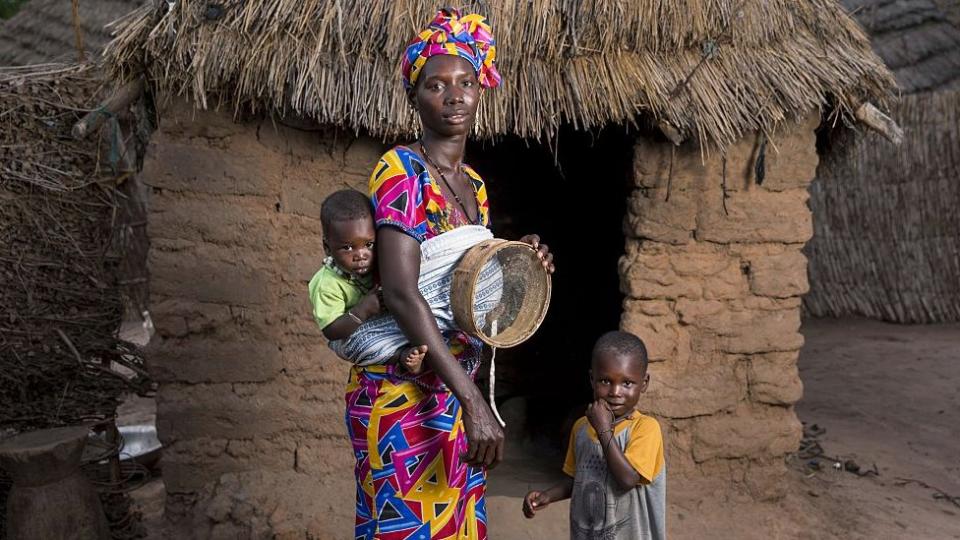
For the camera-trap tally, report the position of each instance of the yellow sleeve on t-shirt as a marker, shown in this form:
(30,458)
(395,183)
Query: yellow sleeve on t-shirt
(644,450)
(645,447)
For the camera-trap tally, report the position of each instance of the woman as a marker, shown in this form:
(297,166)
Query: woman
(417,475)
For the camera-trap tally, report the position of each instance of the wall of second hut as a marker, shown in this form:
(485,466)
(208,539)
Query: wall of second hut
(713,279)
(887,243)
(250,405)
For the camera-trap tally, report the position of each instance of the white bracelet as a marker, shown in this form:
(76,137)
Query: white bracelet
(354,317)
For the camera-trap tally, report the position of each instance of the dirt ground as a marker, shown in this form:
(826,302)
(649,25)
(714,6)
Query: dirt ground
(886,395)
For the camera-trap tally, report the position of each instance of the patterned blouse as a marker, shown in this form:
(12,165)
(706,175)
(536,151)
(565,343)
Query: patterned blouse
(405,196)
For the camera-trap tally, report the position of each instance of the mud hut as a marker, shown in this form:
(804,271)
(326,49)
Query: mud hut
(887,240)
(685,128)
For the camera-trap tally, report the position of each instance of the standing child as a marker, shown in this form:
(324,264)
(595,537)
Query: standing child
(615,457)
(342,291)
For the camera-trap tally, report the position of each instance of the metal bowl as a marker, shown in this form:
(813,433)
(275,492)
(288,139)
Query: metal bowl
(140,443)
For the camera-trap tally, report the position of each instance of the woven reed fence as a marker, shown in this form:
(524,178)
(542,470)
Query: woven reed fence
(887,220)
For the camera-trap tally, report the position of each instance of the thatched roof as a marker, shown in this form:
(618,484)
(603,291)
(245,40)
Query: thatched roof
(715,69)
(42,30)
(950,8)
(918,39)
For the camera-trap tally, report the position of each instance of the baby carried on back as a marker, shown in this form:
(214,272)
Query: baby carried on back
(376,340)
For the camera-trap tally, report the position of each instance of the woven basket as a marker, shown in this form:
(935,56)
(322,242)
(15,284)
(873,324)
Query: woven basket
(527,288)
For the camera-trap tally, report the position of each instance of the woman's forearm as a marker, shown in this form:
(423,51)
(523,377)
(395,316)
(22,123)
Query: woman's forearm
(399,257)
(416,320)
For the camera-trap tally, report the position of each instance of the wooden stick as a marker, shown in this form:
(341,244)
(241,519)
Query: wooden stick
(670,132)
(876,120)
(113,438)
(70,346)
(124,96)
(78,32)
(126,161)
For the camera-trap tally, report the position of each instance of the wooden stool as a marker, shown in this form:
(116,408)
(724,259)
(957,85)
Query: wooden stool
(50,498)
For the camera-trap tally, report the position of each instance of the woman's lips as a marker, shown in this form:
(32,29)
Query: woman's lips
(455,118)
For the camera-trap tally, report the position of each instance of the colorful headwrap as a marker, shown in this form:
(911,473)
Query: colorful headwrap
(468,37)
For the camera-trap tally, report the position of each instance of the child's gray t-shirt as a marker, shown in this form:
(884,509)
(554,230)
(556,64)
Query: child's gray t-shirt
(599,508)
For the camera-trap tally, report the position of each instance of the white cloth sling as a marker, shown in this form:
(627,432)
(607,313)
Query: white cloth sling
(377,339)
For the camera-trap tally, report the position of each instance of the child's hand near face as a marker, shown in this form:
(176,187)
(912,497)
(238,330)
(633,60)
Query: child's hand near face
(535,500)
(600,416)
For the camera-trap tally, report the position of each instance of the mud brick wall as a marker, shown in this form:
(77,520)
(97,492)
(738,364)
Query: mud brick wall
(250,404)
(713,286)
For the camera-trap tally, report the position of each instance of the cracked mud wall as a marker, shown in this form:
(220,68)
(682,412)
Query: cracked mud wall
(713,276)
(250,405)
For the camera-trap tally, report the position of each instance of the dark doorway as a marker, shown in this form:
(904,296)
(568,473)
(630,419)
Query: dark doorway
(573,196)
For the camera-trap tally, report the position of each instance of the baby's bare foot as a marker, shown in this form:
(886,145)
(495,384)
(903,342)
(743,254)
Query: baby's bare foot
(412,359)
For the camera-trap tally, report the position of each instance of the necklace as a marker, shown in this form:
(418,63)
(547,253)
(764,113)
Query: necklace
(423,149)
(359,280)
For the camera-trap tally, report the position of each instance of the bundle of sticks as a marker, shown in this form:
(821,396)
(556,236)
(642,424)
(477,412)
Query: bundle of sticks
(61,217)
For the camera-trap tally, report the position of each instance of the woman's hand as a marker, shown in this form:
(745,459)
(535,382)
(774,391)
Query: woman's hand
(600,416)
(543,251)
(484,436)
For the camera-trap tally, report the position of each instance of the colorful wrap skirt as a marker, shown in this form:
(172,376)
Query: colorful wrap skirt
(407,436)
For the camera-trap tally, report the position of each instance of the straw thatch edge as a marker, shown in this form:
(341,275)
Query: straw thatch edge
(719,73)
